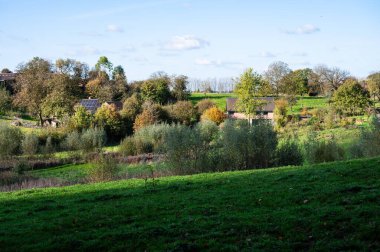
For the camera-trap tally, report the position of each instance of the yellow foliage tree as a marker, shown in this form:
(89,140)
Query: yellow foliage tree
(214,114)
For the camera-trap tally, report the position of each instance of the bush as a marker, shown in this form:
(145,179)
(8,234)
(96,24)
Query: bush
(318,151)
(152,114)
(20,167)
(369,140)
(49,147)
(104,169)
(92,139)
(289,153)
(214,114)
(280,113)
(247,146)
(204,104)
(128,146)
(73,141)
(182,112)
(29,145)
(11,139)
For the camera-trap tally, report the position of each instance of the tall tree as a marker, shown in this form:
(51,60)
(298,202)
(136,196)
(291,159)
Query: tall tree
(249,86)
(156,89)
(179,88)
(373,82)
(351,98)
(332,78)
(31,86)
(104,64)
(275,75)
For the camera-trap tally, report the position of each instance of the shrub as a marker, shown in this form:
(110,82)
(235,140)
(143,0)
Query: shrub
(29,144)
(182,112)
(280,113)
(92,139)
(152,114)
(204,104)
(73,141)
(128,147)
(11,139)
(49,147)
(214,114)
(369,140)
(104,169)
(289,153)
(21,166)
(318,151)
(247,146)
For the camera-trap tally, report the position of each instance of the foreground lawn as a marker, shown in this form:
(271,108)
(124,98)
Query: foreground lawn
(330,207)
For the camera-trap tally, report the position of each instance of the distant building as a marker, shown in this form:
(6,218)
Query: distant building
(8,81)
(93,104)
(90,104)
(265,111)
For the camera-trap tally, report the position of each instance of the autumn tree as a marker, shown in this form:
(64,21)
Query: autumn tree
(152,113)
(32,86)
(249,86)
(351,98)
(104,65)
(213,114)
(275,75)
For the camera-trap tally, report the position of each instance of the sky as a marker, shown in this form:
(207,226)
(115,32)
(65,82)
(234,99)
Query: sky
(200,39)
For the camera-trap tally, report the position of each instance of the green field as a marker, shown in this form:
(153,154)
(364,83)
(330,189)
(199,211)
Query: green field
(219,99)
(328,207)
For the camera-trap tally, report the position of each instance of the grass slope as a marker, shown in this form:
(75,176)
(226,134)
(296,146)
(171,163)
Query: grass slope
(323,207)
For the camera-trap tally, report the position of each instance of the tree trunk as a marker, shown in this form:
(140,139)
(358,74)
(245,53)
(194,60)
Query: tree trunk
(41,119)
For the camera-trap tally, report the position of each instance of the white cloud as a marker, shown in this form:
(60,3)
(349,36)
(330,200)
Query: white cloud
(216,63)
(304,29)
(265,54)
(114,28)
(186,42)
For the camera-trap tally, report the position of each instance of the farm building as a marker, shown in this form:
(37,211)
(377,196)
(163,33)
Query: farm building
(90,104)
(264,112)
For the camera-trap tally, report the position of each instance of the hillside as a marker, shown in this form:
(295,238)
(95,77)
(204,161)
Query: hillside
(331,207)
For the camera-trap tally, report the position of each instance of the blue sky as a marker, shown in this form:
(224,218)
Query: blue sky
(197,38)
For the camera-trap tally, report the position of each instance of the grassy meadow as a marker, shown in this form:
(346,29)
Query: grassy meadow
(332,206)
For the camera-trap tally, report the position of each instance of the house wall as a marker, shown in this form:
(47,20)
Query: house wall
(243,116)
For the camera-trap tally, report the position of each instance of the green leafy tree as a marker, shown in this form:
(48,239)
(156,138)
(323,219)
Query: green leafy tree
(182,112)
(351,98)
(62,95)
(249,86)
(275,75)
(373,82)
(156,89)
(82,119)
(110,120)
(32,86)
(5,101)
(179,88)
(103,64)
